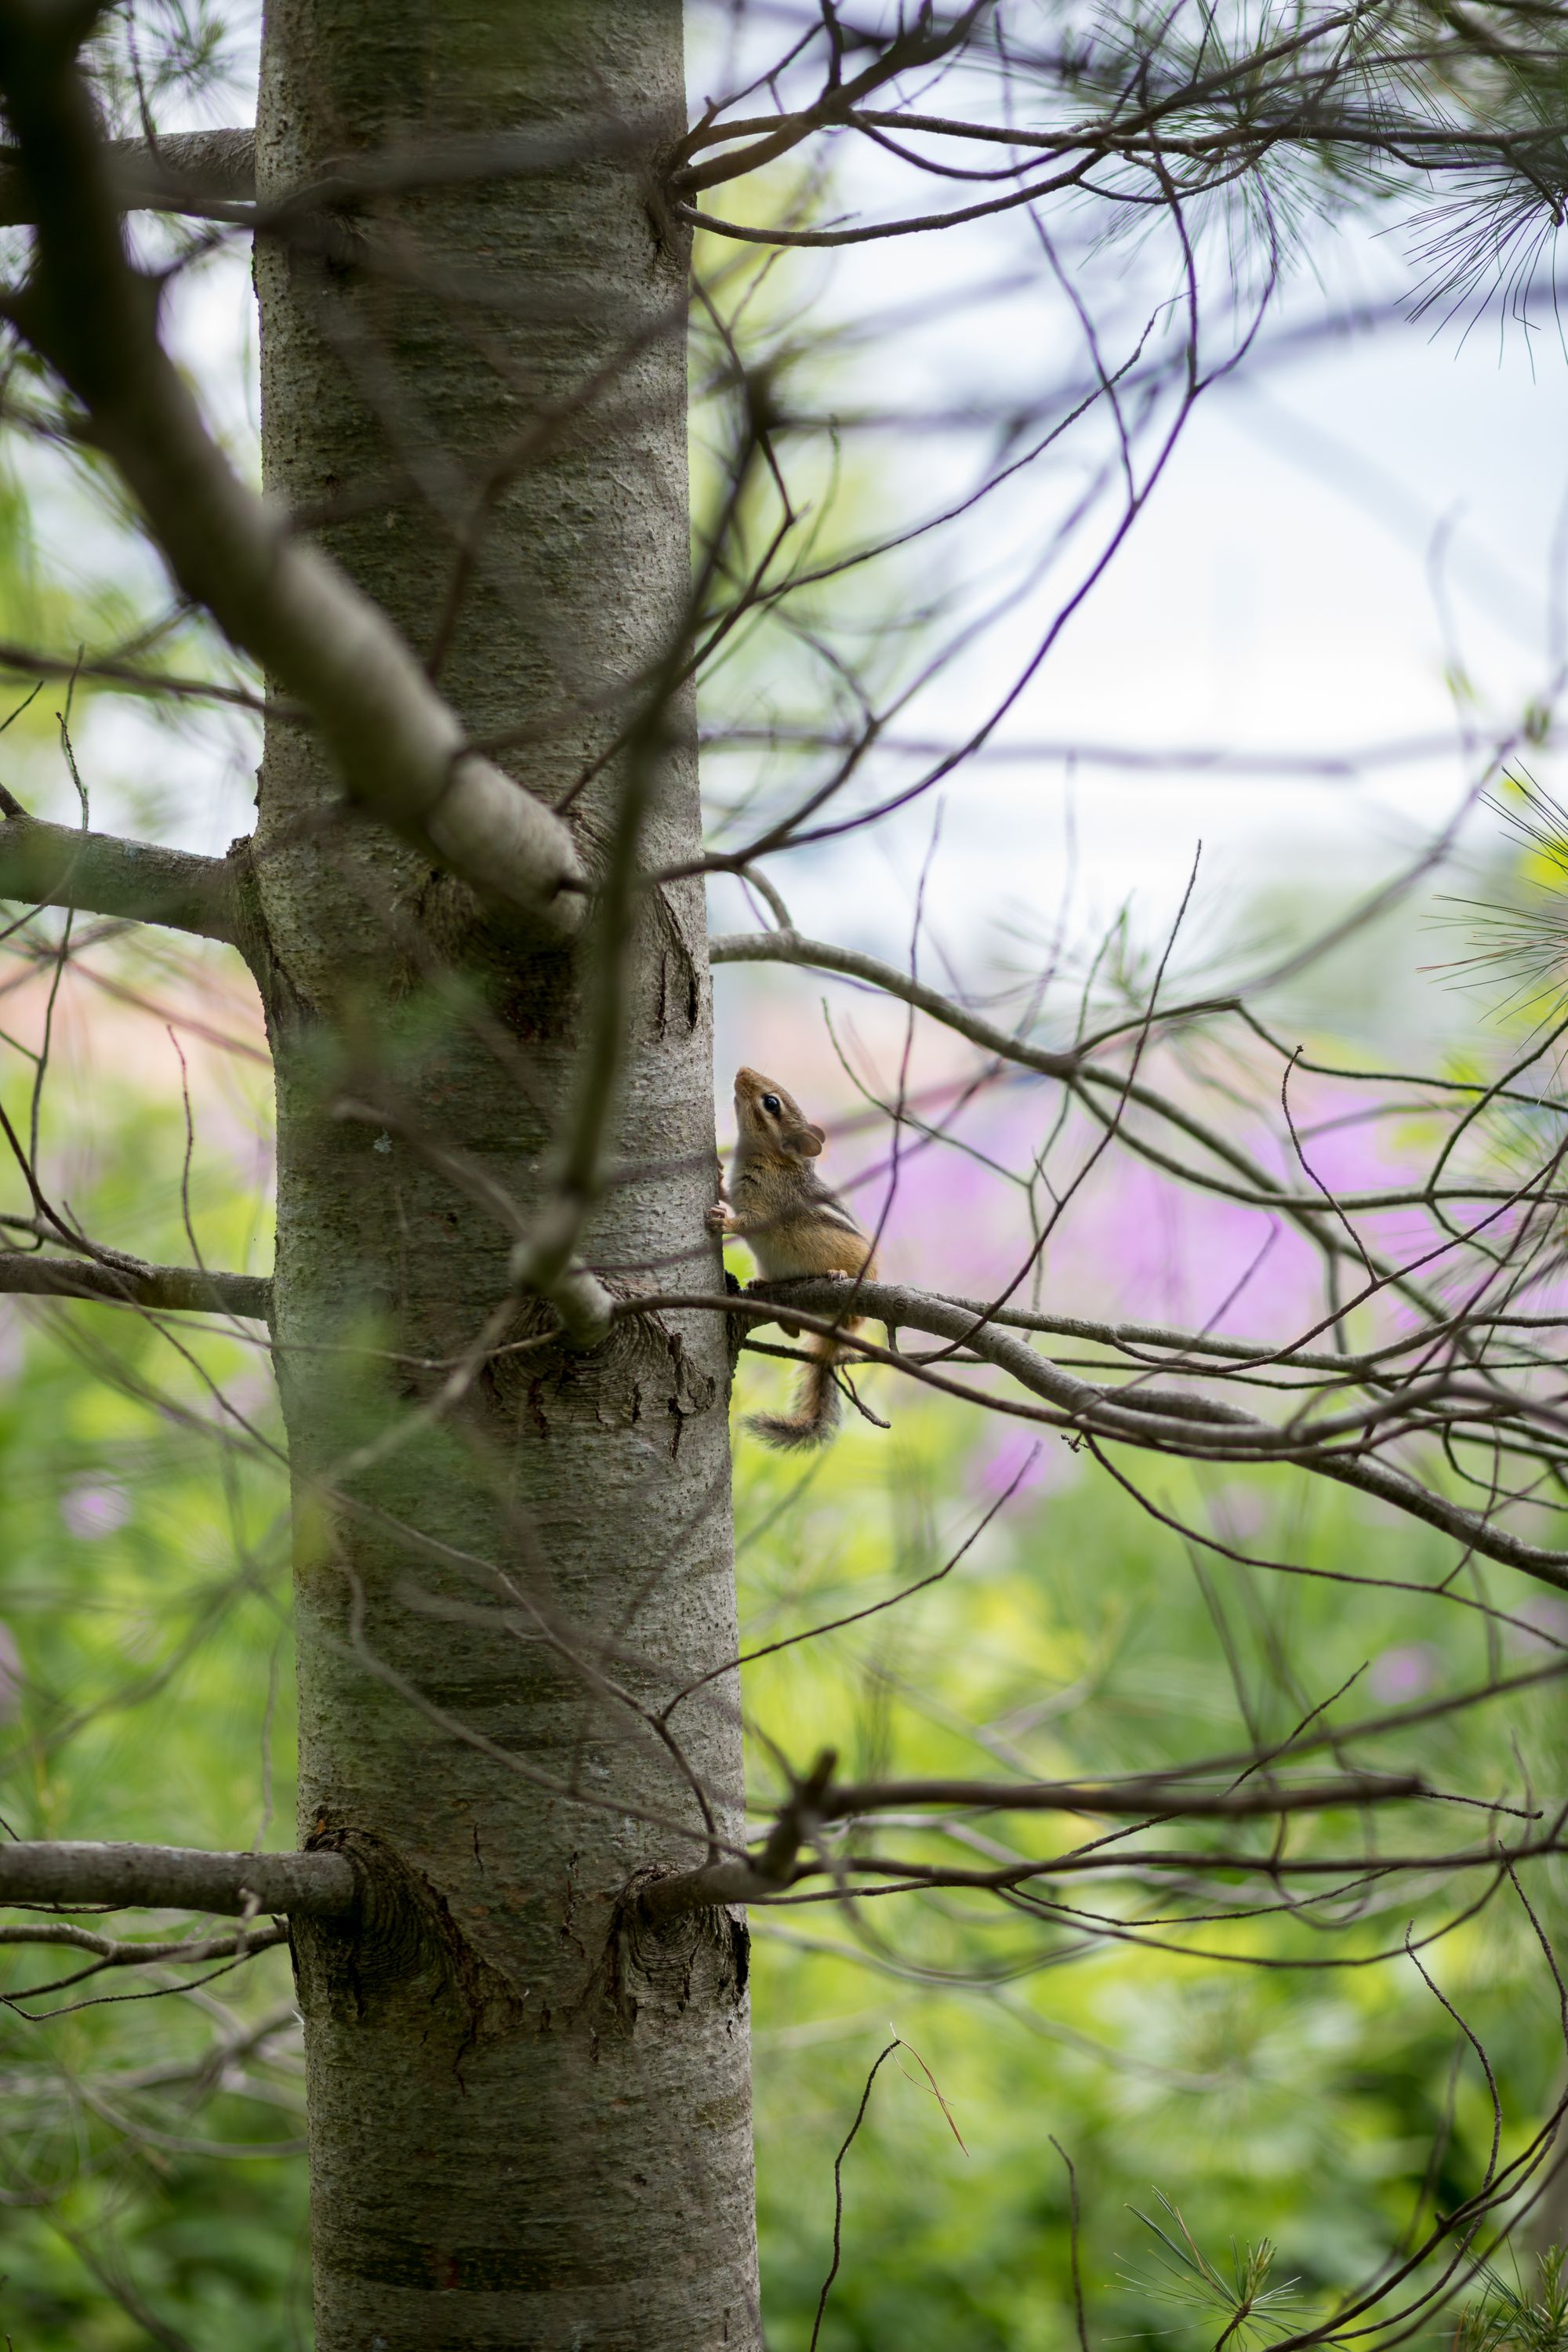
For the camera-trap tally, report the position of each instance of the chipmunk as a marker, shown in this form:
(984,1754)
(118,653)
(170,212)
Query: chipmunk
(779,1206)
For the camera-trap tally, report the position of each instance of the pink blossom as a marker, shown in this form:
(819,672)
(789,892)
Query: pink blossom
(1408,1671)
(1548,1616)
(90,1511)
(1037,1459)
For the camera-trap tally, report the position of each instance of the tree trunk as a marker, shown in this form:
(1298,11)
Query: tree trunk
(529,2116)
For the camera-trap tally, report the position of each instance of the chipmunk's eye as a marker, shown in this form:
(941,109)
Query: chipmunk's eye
(771,1102)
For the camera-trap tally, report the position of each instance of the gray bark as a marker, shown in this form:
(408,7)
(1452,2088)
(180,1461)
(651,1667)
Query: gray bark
(176,1878)
(530,2113)
(57,866)
(120,1281)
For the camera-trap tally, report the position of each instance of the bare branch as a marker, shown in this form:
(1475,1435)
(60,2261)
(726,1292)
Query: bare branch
(921,47)
(1153,1799)
(120,1952)
(114,1280)
(1161,1795)
(1165,1421)
(190,171)
(34,661)
(177,1878)
(57,866)
(748,1880)
(789,947)
(211,174)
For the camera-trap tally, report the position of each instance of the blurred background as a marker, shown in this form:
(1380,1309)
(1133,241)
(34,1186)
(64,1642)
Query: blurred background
(1341,593)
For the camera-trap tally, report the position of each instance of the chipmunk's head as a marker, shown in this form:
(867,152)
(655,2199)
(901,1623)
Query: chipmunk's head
(771,1124)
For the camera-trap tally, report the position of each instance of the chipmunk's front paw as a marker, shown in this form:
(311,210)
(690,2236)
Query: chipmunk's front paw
(718,1218)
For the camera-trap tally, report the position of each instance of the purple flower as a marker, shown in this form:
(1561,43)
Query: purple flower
(1407,1672)
(91,1511)
(1037,1459)
(1549,1618)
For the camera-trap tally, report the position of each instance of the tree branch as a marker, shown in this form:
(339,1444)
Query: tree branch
(1141,1862)
(921,48)
(190,171)
(121,1952)
(1176,1422)
(1312,1213)
(1073,1065)
(113,1280)
(756,1877)
(177,1878)
(1150,1800)
(821,955)
(399,748)
(1157,1795)
(36,661)
(211,174)
(57,866)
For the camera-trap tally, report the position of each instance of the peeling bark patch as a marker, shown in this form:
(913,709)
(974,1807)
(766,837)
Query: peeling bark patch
(448,913)
(736,1325)
(694,1393)
(253,939)
(535,992)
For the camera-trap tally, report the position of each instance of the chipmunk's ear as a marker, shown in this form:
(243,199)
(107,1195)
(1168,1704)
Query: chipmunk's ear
(808,1139)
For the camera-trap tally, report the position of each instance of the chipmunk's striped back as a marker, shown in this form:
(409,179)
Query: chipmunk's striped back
(794,1225)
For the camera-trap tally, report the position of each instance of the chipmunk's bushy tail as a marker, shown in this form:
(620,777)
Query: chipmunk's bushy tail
(819,1407)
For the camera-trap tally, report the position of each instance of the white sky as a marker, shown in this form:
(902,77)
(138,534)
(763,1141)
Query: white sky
(1332,531)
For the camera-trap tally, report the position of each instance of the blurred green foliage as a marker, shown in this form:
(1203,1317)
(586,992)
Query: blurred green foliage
(142,1590)
(147,1692)
(1306,2105)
